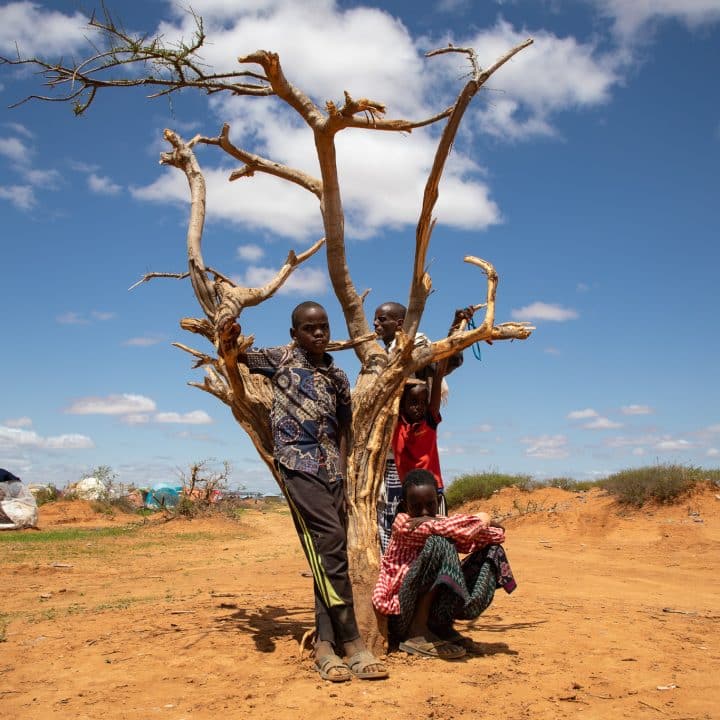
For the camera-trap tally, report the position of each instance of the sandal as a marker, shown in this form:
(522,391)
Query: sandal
(359,663)
(332,668)
(440,649)
(452,636)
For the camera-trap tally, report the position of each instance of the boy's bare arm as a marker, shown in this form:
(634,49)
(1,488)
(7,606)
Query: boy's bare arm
(455,361)
(436,391)
(228,335)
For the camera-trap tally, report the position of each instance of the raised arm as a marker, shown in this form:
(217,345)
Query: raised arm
(436,390)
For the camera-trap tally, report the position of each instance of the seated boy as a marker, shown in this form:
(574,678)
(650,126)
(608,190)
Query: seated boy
(423,586)
(311,420)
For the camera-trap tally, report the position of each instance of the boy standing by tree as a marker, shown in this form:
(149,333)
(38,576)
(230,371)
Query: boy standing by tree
(311,423)
(389,318)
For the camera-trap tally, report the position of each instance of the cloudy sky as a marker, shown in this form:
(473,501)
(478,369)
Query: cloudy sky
(586,172)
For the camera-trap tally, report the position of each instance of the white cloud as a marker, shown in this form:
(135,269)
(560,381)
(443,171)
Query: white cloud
(548,447)
(36,31)
(552,75)
(71,318)
(671,445)
(19,129)
(712,452)
(135,419)
(602,423)
(259,202)
(83,167)
(714,428)
(145,341)
(69,442)
(14,149)
(631,17)
(582,414)
(636,410)
(250,252)
(196,417)
(544,311)
(124,404)
(15,438)
(303,281)
(621,441)
(21,196)
(582,287)
(483,428)
(49,179)
(638,451)
(382,174)
(75,318)
(18,422)
(551,351)
(103,185)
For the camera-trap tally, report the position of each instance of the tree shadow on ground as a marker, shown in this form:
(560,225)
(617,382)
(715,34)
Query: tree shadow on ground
(494,627)
(268,624)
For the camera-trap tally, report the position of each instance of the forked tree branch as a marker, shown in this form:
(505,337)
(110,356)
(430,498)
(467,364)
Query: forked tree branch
(421,284)
(487,330)
(256,163)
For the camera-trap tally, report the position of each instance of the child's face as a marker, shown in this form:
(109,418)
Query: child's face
(421,501)
(414,403)
(386,323)
(312,333)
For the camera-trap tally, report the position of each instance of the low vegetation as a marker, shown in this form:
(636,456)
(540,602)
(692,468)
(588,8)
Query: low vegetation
(481,486)
(661,483)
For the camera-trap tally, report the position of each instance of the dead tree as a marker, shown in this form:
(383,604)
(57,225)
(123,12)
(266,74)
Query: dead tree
(375,396)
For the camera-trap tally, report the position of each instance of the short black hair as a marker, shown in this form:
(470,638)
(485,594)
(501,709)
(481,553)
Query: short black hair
(395,308)
(304,306)
(418,478)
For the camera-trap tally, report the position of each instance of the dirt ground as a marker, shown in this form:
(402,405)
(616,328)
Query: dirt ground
(615,616)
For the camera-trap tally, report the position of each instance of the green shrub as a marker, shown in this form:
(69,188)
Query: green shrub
(481,486)
(664,484)
(563,483)
(583,485)
(46,494)
(111,505)
(566,483)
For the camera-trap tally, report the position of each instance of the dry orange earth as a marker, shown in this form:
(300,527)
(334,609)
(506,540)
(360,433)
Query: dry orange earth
(616,616)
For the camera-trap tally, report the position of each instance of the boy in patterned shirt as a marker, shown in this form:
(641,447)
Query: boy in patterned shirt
(311,424)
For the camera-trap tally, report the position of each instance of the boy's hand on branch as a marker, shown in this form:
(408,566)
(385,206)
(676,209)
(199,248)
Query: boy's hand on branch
(460,315)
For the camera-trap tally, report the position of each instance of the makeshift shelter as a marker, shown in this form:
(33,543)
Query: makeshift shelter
(18,508)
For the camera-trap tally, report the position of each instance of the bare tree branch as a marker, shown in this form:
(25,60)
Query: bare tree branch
(179,276)
(172,67)
(421,284)
(256,163)
(182,157)
(372,116)
(234,299)
(296,99)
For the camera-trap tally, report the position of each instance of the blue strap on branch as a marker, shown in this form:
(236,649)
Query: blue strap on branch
(476,345)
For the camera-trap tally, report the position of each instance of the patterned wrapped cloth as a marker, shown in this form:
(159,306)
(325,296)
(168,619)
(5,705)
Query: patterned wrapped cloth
(465,589)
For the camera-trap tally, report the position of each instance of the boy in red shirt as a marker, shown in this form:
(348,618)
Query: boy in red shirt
(414,441)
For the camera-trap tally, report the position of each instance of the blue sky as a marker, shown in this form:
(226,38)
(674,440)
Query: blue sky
(587,173)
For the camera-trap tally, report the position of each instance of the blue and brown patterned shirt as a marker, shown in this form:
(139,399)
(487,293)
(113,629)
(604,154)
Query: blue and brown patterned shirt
(311,407)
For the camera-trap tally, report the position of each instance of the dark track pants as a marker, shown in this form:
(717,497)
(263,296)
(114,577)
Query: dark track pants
(318,511)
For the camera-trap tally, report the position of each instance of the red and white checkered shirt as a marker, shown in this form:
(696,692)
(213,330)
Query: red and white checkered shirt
(468,531)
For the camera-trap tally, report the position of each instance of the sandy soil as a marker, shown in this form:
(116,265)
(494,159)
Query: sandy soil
(616,616)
